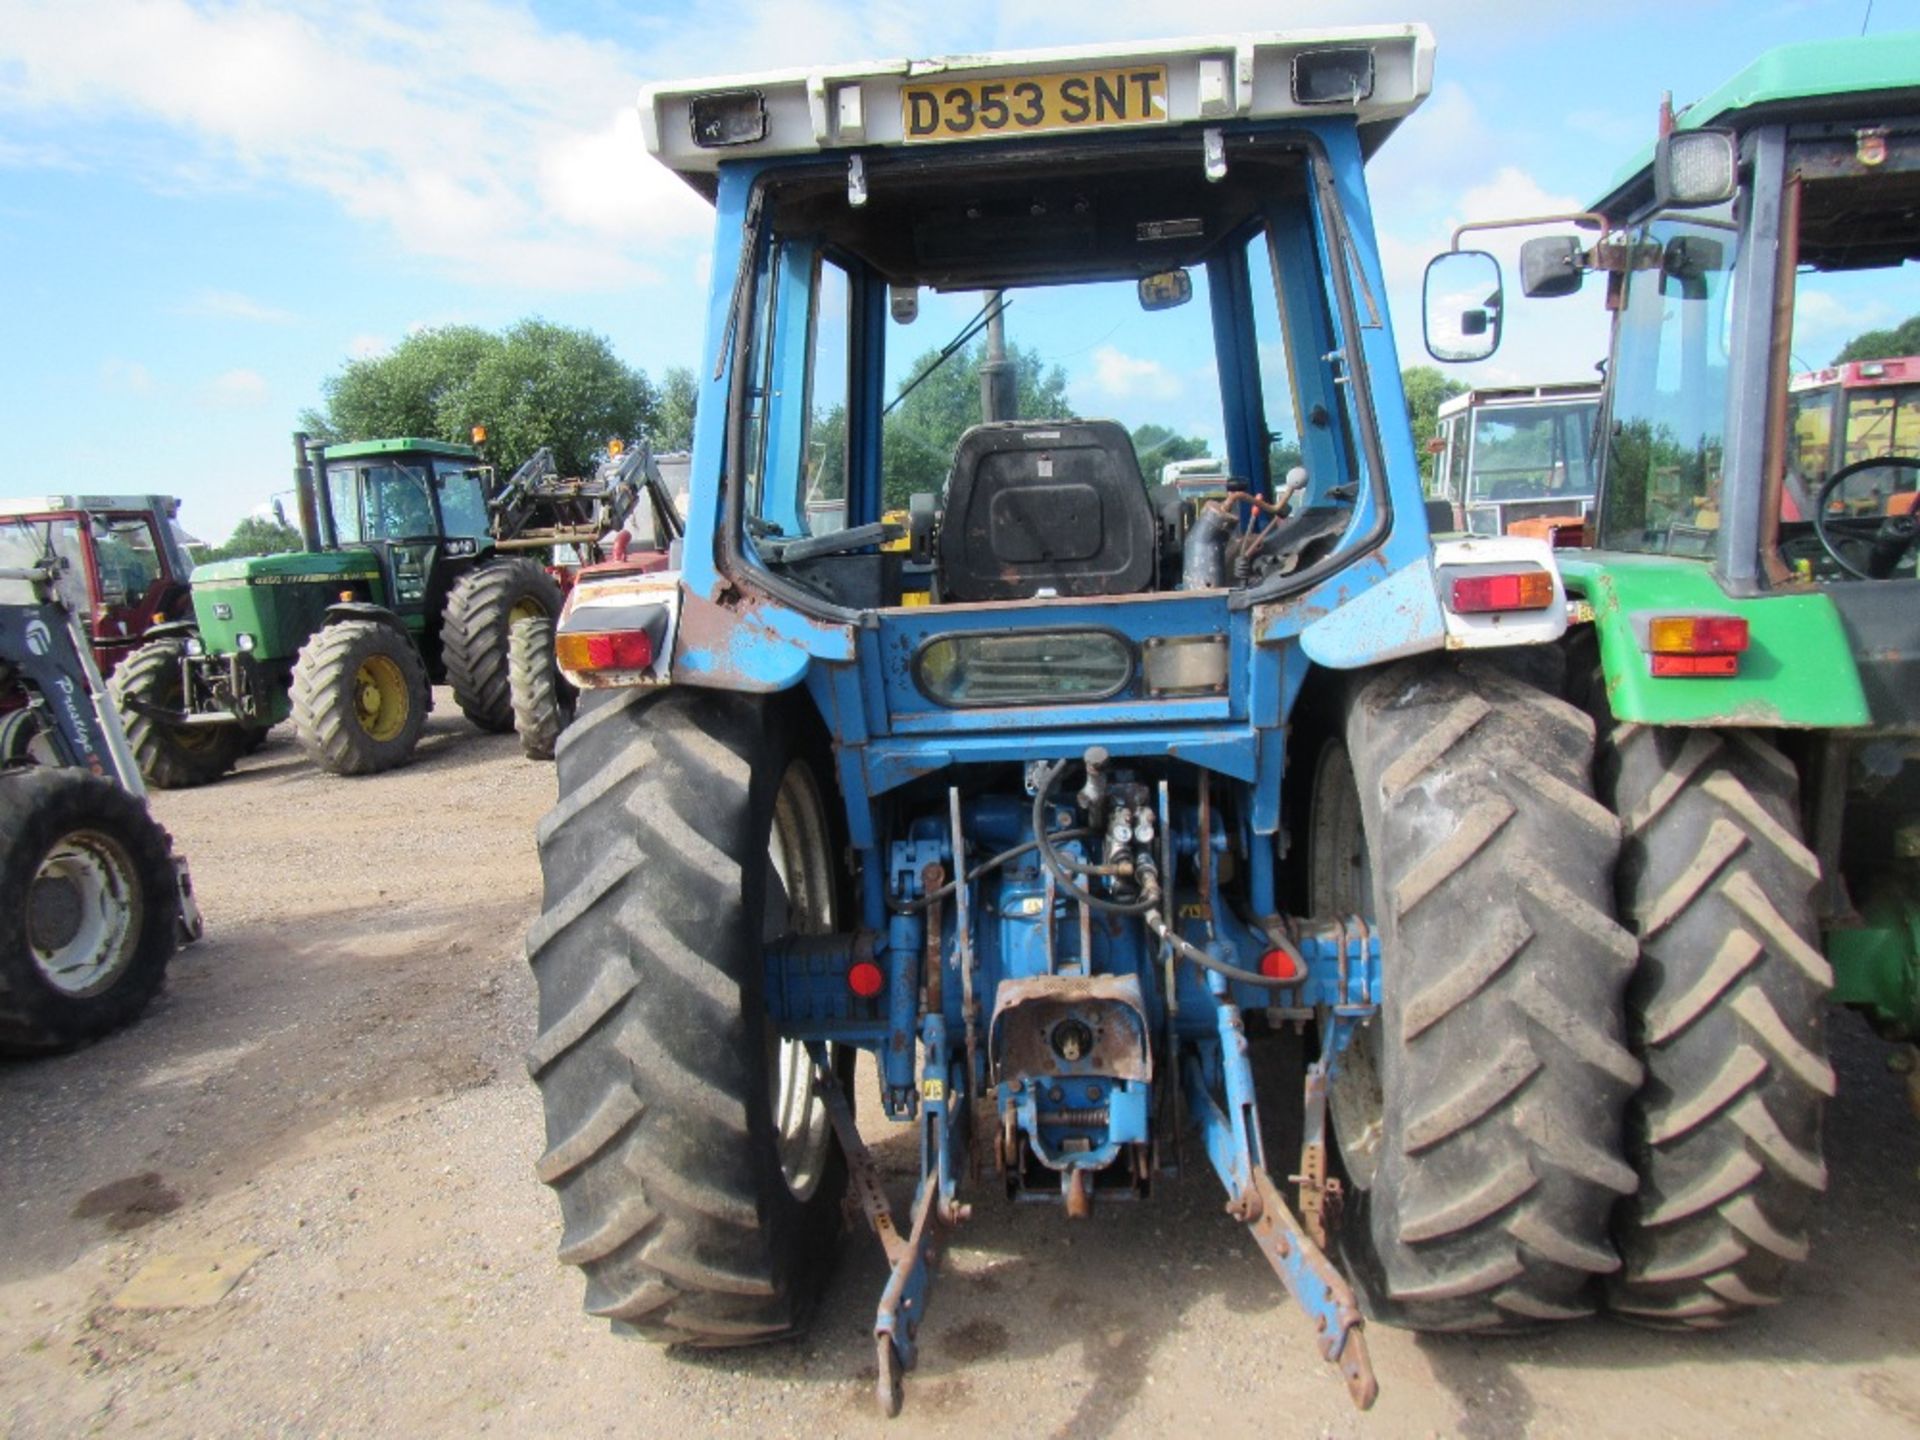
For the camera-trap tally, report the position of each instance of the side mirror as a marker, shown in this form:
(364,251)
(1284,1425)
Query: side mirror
(1462,310)
(1692,168)
(1165,291)
(1550,267)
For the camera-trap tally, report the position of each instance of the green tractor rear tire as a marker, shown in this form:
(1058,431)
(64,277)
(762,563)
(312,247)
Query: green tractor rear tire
(481,609)
(359,697)
(543,701)
(1479,1114)
(698,1177)
(91,913)
(1726,1011)
(171,757)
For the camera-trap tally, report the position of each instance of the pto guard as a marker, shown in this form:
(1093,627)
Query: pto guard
(624,602)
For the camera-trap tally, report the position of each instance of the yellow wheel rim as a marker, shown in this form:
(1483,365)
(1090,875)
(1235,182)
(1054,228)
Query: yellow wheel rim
(526,608)
(380,700)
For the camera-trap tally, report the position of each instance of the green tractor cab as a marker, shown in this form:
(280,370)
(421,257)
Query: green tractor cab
(1745,636)
(400,586)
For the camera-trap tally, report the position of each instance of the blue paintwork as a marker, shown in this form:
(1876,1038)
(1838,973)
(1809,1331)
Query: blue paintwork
(890,741)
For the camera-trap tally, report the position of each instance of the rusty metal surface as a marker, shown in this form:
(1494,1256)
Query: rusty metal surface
(1319,1288)
(1112,1007)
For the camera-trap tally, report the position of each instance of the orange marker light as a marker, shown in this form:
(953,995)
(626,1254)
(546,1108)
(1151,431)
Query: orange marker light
(1697,635)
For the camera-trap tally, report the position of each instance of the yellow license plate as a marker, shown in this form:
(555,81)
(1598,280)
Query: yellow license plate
(1034,104)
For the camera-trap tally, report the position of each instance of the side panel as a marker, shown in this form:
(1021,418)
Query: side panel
(1798,670)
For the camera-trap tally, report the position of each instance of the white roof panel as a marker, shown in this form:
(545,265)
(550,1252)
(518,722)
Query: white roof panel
(1209,80)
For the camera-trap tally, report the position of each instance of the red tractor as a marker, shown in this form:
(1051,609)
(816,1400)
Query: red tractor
(124,569)
(125,563)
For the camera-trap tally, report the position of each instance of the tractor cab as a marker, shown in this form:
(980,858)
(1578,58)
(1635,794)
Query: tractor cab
(1516,455)
(415,504)
(126,567)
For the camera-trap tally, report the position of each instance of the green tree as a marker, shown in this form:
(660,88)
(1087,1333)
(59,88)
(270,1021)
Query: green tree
(920,435)
(674,408)
(1902,339)
(255,535)
(1426,387)
(533,384)
(1160,445)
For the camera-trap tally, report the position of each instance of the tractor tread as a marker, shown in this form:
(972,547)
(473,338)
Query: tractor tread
(39,806)
(543,701)
(324,717)
(1505,971)
(152,674)
(1727,1002)
(475,634)
(657,1145)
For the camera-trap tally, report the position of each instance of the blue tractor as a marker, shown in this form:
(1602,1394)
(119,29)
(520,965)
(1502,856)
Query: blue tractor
(1051,790)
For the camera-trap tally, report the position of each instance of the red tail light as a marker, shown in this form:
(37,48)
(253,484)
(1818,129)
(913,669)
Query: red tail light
(612,650)
(1697,645)
(1529,589)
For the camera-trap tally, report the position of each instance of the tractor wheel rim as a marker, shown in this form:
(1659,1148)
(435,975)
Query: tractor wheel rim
(1356,1099)
(81,905)
(380,701)
(800,871)
(526,608)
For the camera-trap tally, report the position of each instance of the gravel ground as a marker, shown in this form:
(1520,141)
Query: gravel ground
(333,1077)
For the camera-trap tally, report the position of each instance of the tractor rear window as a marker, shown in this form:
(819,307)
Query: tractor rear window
(996,382)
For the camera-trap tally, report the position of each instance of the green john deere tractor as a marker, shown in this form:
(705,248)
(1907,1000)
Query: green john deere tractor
(1746,635)
(401,584)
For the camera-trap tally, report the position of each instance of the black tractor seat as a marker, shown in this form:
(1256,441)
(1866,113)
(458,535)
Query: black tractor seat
(1035,505)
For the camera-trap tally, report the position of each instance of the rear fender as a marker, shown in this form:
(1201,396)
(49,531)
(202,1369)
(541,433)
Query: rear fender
(1407,613)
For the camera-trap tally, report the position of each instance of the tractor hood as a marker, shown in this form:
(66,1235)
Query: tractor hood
(302,567)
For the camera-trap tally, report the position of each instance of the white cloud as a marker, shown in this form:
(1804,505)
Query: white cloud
(469,132)
(128,375)
(1121,376)
(232,305)
(365,347)
(236,390)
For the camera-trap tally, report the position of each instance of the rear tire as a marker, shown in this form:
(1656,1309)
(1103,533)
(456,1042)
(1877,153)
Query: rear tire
(171,757)
(543,701)
(1726,1012)
(682,1202)
(91,913)
(359,697)
(481,609)
(1501,1073)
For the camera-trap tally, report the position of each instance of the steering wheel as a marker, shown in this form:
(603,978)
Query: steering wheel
(1888,537)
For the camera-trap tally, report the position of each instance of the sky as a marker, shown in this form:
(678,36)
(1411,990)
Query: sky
(207,207)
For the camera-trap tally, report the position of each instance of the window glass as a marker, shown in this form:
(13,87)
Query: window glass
(759,391)
(397,502)
(24,545)
(343,499)
(463,499)
(1532,452)
(1276,379)
(125,559)
(1810,425)
(1457,432)
(823,483)
(1670,369)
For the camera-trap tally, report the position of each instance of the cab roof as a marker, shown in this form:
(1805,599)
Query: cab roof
(61,504)
(1856,76)
(1209,80)
(362,449)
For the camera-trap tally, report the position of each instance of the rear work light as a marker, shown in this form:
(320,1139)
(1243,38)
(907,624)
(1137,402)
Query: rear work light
(1529,589)
(1696,645)
(612,650)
